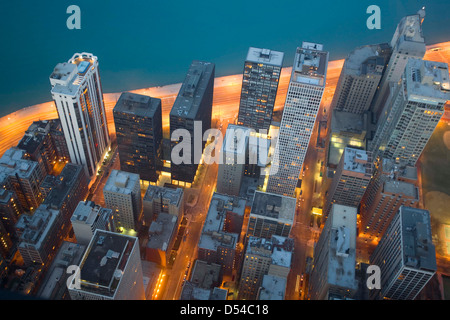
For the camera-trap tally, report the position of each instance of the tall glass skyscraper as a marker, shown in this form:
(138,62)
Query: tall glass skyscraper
(303,99)
(78,96)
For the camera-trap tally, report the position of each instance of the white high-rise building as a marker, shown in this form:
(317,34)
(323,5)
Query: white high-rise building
(303,99)
(407,42)
(78,96)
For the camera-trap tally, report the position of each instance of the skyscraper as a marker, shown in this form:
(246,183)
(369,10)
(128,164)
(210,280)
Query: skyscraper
(78,96)
(262,70)
(333,275)
(302,104)
(406,256)
(407,42)
(138,121)
(359,78)
(191,112)
(411,113)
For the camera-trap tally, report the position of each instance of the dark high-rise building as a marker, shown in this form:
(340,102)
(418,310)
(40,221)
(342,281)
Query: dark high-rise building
(138,121)
(262,71)
(193,105)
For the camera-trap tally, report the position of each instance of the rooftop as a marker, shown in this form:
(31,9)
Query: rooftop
(121,182)
(236,139)
(272,288)
(67,77)
(274,206)
(137,104)
(33,229)
(88,211)
(161,231)
(265,56)
(427,81)
(418,248)
(357,161)
(105,260)
(192,90)
(13,163)
(278,248)
(174,196)
(401,187)
(310,64)
(213,234)
(342,256)
(365,60)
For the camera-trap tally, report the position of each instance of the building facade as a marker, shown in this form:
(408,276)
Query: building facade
(138,122)
(78,96)
(260,80)
(302,104)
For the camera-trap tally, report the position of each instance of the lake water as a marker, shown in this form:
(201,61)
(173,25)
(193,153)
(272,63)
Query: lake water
(150,43)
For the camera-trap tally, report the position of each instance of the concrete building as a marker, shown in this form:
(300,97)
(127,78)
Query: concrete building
(161,199)
(359,78)
(264,256)
(221,231)
(89,217)
(23,177)
(122,194)
(406,256)
(38,145)
(389,189)
(192,109)
(411,113)
(233,159)
(333,274)
(110,269)
(40,235)
(138,122)
(66,191)
(10,211)
(271,214)
(78,96)
(351,179)
(262,69)
(407,42)
(272,288)
(302,104)
(161,237)
(204,283)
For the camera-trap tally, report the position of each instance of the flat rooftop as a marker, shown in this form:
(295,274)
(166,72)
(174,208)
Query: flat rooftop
(13,163)
(193,89)
(342,256)
(213,234)
(121,182)
(401,187)
(427,81)
(365,60)
(272,288)
(105,259)
(310,65)
(161,231)
(278,248)
(356,160)
(418,249)
(273,206)
(87,212)
(236,139)
(173,196)
(265,56)
(137,104)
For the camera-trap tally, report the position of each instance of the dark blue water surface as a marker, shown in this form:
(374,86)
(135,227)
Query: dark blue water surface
(150,43)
